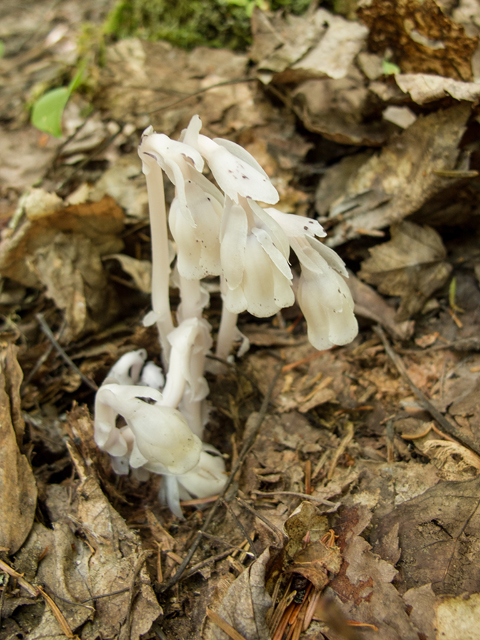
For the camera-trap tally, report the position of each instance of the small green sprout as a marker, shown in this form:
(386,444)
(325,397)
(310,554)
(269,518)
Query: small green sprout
(48,110)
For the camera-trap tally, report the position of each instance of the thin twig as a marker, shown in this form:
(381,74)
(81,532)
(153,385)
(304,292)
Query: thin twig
(4,593)
(422,398)
(243,454)
(226,544)
(266,522)
(241,527)
(38,591)
(48,332)
(78,167)
(197,93)
(206,562)
(457,538)
(340,450)
(224,626)
(390,433)
(142,558)
(303,496)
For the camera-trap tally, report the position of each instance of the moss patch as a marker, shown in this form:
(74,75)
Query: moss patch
(191,23)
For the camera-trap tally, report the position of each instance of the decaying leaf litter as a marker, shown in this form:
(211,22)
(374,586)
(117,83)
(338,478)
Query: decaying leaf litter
(356,499)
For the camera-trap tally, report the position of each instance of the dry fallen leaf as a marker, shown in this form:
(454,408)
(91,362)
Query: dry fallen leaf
(59,247)
(72,271)
(402,177)
(369,304)
(411,265)
(46,215)
(424,87)
(293,48)
(364,588)
(438,534)
(18,490)
(337,109)
(457,617)
(141,79)
(317,563)
(93,553)
(139,270)
(245,604)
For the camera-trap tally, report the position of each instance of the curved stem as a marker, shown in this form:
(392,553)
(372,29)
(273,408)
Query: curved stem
(160,258)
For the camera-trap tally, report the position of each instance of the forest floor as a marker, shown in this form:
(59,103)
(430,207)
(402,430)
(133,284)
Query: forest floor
(355,509)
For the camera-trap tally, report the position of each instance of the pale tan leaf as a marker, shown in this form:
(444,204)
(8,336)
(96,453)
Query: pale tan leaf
(18,489)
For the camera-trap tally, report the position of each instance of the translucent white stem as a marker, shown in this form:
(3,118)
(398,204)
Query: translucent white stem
(194,413)
(193,302)
(160,258)
(176,379)
(227,333)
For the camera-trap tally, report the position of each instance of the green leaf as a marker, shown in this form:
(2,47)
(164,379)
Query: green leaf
(2,48)
(78,77)
(48,110)
(452,290)
(389,68)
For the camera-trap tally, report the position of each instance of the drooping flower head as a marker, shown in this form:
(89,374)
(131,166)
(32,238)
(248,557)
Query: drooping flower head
(323,294)
(196,210)
(254,256)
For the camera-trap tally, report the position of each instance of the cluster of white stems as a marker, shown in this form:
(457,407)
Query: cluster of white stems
(217,231)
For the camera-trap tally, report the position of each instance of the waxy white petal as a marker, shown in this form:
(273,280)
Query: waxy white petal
(327,305)
(273,253)
(235,176)
(233,237)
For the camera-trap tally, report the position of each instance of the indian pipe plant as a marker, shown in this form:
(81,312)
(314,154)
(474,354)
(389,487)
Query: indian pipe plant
(218,231)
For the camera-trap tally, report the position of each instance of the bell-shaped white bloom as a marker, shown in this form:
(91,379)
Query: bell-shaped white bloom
(152,376)
(254,254)
(195,226)
(196,210)
(169,155)
(131,369)
(128,367)
(207,479)
(235,170)
(322,294)
(162,439)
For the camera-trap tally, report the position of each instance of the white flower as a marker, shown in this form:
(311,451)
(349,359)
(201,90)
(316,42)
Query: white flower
(162,439)
(195,226)
(127,369)
(254,252)
(196,210)
(322,294)
(206,479)
(237,172)
(152,376)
